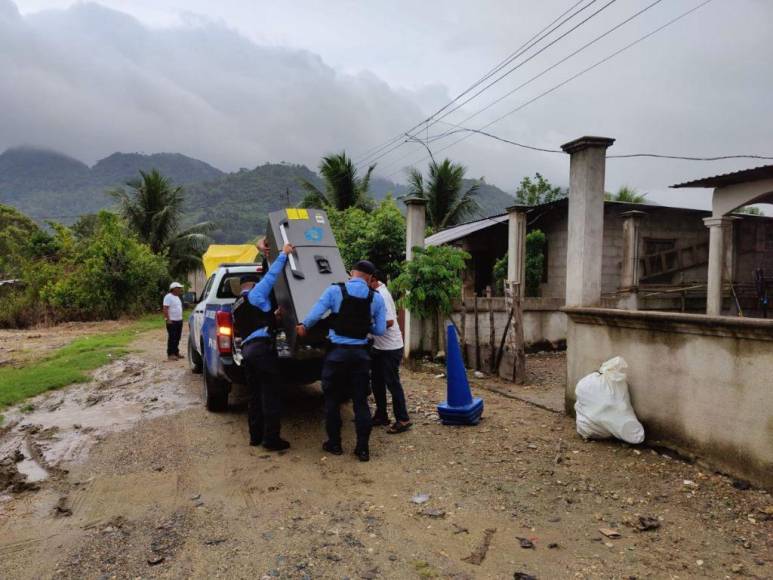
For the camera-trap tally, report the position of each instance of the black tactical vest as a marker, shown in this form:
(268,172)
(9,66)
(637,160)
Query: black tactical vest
(353,318)
(249,318)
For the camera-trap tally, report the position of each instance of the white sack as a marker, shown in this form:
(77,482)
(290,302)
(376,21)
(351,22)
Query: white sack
(603,405)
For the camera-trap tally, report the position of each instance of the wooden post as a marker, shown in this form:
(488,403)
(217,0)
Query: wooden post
(463,328)
(516,342)
(492,339)
(477,332)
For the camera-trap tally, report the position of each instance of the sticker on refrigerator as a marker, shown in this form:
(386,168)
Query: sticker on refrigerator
(314,234)
(297,213)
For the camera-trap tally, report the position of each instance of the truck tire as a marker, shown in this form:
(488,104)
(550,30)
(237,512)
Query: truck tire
(214,390)
(194,358)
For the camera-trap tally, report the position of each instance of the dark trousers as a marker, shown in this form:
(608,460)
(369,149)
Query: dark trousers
(174,331)
(385,374)
(344,376)
(264,407)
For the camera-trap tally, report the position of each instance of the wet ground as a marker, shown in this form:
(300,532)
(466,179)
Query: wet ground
(129,477)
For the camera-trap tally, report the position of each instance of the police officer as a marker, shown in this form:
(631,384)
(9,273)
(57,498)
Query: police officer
(254,322)
(356,310)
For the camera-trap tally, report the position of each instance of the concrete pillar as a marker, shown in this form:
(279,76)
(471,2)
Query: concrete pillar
(629,274)
(718,227)
(416,224)
(586,219)
(516,246)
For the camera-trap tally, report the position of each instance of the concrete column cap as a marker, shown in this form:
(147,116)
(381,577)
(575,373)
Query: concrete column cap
(518,208)
(586,143)
(720,221)
(633,214)
(415,201)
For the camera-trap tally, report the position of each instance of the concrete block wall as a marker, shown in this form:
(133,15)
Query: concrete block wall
(698,384)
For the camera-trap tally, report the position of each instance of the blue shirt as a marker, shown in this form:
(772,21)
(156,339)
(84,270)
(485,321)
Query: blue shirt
(260,294)
(331,300)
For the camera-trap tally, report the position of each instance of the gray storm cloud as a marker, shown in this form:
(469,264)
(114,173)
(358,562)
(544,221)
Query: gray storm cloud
(89,80)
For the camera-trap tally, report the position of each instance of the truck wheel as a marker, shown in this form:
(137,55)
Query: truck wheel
(194,358)
(215,391)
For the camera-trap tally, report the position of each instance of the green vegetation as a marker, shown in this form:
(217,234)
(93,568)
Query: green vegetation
(535,263)
(378,235)
(430,282)
(537,191)
(626,195)
(65,276)
(343,188)
(449,200)
(153,211)
(69,364)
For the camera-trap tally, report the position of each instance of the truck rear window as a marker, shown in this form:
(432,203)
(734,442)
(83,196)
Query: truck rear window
(229,285)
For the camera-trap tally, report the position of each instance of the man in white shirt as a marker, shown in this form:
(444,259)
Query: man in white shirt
(173,314)
(385,369)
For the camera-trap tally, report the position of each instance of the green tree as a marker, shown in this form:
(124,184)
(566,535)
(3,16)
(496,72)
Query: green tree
(535,263)
(106,275)
(447,202)
(343,187)
(16,230)
(378,236)
(537,191)
(153,210)
(430,282)
(626,195)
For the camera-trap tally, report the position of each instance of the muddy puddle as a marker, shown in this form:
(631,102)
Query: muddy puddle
(60,427)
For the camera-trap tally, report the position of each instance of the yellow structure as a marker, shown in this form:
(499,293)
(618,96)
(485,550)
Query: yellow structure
(218,254)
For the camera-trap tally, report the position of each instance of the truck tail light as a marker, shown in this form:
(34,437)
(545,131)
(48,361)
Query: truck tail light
(225,332)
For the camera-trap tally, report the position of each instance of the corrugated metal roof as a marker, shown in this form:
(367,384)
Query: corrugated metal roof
(743,176)
(463,230)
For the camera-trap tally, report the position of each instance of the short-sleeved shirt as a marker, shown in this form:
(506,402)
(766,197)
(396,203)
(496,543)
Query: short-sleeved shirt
(392,339)
(175,306)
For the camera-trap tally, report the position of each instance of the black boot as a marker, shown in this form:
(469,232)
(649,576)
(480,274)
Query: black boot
(334,448)
(362,452)
(276,444)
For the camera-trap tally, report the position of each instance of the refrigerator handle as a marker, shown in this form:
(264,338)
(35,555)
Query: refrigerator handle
(290,258)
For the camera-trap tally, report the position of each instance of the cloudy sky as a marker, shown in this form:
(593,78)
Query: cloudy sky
(241,82)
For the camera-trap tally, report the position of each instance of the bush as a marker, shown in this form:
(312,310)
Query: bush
(107,275)
(378,235)
(430,282)
(535,263)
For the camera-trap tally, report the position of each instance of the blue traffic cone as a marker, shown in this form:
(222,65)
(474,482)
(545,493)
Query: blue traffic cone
(460,407)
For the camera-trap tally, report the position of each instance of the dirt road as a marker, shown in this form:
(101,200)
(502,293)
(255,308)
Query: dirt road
(129,477)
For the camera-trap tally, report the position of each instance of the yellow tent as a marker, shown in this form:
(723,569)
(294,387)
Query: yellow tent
(218,254)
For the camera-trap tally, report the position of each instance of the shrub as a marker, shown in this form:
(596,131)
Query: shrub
(378,235)
(107,275)
(535,263)
(430,282)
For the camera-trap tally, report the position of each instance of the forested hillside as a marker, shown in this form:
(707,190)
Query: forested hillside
(47,185)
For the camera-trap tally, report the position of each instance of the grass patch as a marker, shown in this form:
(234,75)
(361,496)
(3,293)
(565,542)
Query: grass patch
(71,363)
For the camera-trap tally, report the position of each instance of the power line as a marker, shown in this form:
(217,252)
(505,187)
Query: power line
(619,156)
(560,62)
(573,77)
(519,65)
(518,52)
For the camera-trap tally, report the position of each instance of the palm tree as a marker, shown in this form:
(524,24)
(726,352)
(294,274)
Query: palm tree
(447,204)
(153,210)
(626,195)
(343,188)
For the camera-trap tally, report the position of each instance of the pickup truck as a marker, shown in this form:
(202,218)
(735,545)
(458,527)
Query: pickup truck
(214,351)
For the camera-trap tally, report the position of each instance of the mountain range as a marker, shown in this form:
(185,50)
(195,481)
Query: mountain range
(49,185)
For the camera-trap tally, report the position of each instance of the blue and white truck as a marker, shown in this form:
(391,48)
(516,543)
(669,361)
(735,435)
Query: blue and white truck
(214,351)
